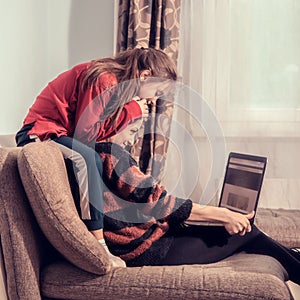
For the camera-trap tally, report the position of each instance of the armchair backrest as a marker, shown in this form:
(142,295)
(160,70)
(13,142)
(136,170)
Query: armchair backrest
(22,242)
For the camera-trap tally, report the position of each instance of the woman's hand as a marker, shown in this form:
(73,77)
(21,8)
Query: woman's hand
(237,223)
(143,103)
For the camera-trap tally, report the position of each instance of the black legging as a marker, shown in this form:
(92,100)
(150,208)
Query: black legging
(202,245)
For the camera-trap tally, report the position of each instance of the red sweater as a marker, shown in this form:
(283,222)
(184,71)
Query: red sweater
(63,109)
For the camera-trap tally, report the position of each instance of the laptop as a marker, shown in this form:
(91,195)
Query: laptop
(241,186)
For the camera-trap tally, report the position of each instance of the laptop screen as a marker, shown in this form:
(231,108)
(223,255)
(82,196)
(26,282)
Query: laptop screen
(242,183)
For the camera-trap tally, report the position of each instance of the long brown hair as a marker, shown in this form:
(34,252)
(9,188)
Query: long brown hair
(127,66)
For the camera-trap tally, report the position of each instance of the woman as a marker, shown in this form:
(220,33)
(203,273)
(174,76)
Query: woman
(145,226)
(87,104)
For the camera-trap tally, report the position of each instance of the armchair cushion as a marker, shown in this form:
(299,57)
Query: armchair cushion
(280,224)
(44,176)
(241,276)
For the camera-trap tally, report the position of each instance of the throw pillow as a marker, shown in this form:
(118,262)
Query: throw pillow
(44,176)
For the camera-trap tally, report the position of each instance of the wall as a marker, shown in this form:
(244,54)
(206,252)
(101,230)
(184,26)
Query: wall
(40,39)
(188,172)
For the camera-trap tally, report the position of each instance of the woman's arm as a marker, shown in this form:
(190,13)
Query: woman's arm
(233,222)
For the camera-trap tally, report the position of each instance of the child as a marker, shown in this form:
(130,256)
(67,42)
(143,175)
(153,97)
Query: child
(87,104)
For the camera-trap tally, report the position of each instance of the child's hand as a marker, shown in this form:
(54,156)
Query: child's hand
(144,107)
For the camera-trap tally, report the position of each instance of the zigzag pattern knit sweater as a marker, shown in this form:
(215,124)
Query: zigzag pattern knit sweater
(139,214)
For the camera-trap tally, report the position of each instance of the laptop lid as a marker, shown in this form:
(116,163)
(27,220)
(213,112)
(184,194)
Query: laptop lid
(242,182)
(241,185)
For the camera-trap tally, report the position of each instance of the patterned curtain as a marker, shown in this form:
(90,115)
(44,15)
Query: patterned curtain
(155,24)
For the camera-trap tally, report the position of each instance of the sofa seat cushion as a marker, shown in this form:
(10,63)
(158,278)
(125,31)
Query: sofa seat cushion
(45,181)
(242,276)
(280,224)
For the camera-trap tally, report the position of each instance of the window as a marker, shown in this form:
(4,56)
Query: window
(243,57)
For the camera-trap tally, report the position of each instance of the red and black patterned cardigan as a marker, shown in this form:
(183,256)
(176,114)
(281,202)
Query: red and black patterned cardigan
(138,212)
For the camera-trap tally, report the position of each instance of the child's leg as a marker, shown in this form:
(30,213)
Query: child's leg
(87,167)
